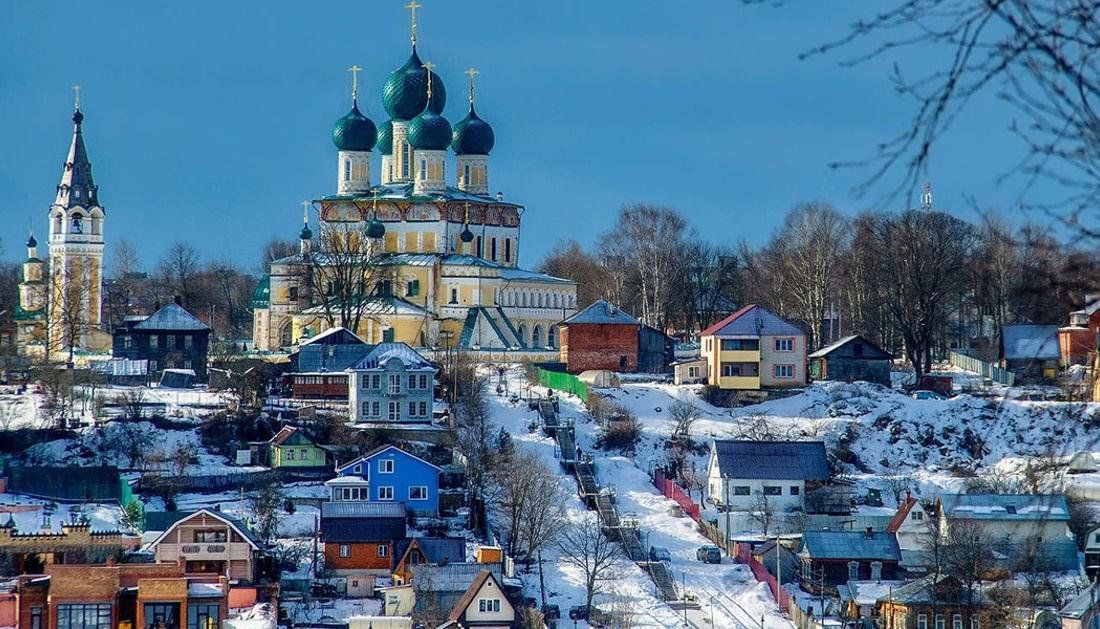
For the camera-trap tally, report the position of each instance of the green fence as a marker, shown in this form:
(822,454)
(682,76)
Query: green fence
(982,368)
(563,382)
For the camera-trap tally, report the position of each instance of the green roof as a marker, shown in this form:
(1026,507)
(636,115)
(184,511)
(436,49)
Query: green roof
(354,132)
(472,135)
(261,296)
(385,138)
(22,314)
(429,132)
(405,92)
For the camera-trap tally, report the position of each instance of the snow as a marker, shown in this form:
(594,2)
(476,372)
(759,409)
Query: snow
(28,514)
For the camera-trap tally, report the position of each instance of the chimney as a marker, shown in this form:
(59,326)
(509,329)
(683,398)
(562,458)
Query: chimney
(178,300)
(869,533)
(908,495)
(500,196)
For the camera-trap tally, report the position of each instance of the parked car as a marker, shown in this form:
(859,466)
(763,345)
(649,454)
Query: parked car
(594,615)
(658,553)
(551,612)
(924,394)
(709,554)
(579,612)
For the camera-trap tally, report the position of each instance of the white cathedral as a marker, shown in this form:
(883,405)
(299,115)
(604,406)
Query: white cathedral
(450,249)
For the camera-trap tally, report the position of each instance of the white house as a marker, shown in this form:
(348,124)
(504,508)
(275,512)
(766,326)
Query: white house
(1017,525)
(742,473)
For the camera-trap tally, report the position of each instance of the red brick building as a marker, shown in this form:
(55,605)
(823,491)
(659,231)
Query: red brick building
(1077,341)
(600,337)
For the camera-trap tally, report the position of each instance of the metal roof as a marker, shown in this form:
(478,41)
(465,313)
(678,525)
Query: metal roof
(752,320)
(602,312)
(1019,507)
(518,274)
(404,191)
(329,358)
(172,317)
(853,545)
(1030,342)
(362,521)
(453,577)
(871,350)
(387,509)
(383,352)
(772,460)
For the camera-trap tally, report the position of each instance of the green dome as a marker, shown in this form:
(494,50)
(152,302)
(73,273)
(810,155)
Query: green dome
(306,233)
(385,138)
(472,135)
(405,91)
(354,132)
(429,132)
(375,229)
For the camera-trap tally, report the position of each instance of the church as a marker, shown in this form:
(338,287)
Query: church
(60,311)
(426,254)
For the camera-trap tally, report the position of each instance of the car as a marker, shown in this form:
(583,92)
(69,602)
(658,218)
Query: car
(658,553)
(579,612)
(551,612)
(709,554)
(924,394)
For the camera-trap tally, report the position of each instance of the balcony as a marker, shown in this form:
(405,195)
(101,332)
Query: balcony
(740,356)
(744,383)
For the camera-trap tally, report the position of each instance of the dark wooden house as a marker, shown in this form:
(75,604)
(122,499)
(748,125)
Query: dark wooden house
(318,368)
(849,359)
(933,601)
(830,558)
(170,338)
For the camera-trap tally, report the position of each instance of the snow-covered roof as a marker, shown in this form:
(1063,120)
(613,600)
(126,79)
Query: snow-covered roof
(233,523)
(382,353)
(1020,507)
(866,592)
(772,460)
(353,509)
(752,320)
(172,318)
(870,350)
(337,335)
(601,312)
(877,546)
(1030,342)
(518,274)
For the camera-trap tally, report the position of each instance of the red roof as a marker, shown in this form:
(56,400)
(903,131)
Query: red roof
(724,322)
(281,436)
(903,512)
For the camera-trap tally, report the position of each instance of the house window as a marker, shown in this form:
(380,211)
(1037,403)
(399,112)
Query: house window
(345,550)
(211,536)
(770,490)
(375,381)
(161,616)
(876,572)
(126,342)
(385,466)
(382,550)
(940,622)
(84,616)
(154,341)
(917,515)
(957,621)
(152,365)
(693,372)
(488,605)
(423,381)
(853,570)
(729,345)
(394,383)
(412,289)
(36,617)
(395,411)
(412,409)
(418,492)
(203,616)
(385,493)
(741,490)
(290,455)
(795,490)
(745,370)
(784,345)
(784,371)
(376,409)
(303,453)
(922,621)
(423,409)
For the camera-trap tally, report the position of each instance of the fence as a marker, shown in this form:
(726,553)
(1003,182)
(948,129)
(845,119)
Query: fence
(673,491)
(986,370)
(744,555)
(560,381)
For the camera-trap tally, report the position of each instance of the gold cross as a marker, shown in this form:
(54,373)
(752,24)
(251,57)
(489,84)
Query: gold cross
(472,73)
(429,66)
(355,70)
(76,91)
(412,7)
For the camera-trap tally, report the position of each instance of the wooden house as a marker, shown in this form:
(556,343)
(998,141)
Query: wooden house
(210,542)
(850,359)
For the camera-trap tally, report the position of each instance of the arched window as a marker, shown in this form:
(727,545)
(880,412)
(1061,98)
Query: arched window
(347,169)
(423,169)
(57,224)
(555,300)
(523,299)
(96,222)
(284,335)
(552,337)
(536,336)
(78,224)
(493,248)
(523,333)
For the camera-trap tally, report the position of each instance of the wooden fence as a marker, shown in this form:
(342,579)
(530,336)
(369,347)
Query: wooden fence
(986,370)
(673,491)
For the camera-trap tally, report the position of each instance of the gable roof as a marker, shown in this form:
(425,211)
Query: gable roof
(172,317)
(871,351)
(1013,507)
(901,514)
(438,550)
(379,450)
(601,312)
(775,460)
(467,599)
(335,336)
(383,352)
(328,358)
(752,320)
(452,577)
(285,433)
(362,521)
(1030,342)
(159,521)
(233,523)
(837,545)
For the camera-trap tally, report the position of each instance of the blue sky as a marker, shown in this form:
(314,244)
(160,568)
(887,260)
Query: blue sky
(210,122)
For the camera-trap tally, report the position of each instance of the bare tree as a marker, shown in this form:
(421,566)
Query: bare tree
(569,260)
(342,279)
(584,547)
(266,503)
(177,272)
(762,511)
(510,492)
(132,401)
(684,414)
(476,437)
(708,284)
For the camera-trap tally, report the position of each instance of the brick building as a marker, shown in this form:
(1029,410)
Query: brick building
(359,541)
(123,595)
(600,337)
(32,551)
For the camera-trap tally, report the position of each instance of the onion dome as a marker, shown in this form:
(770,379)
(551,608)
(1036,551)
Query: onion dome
(78,117)
(472,135)
(306,233)
(375,229)
(429,132)
(405,92)
(354,132)
(31,242)
(466,234)
(385,138)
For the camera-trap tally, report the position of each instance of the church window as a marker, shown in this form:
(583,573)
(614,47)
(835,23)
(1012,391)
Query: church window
(405,157)
(454,295)
(479,246)
(412,289)
(523,299)
(493,249)
(78,224)
(466,175)
(552,337)
(507,249)
(293,293)
(540,300)
(423,169)
(347,169)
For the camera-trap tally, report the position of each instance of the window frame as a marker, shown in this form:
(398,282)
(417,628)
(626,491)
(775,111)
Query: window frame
(385,493)
(386,469)
(424,488)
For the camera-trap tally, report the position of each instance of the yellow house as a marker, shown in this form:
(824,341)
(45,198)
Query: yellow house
(754,349)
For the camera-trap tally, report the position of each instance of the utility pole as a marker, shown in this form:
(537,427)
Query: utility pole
(726,535)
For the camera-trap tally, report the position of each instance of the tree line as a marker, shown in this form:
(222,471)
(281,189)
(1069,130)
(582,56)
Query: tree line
(917,282)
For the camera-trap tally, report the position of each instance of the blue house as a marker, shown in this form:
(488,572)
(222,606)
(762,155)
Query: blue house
(388,473)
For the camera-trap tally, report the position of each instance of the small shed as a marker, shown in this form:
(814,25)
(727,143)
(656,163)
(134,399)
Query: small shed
(1081,463)
(689,371)
(1030,352)
(849,359)
(599,378)
(177,378)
